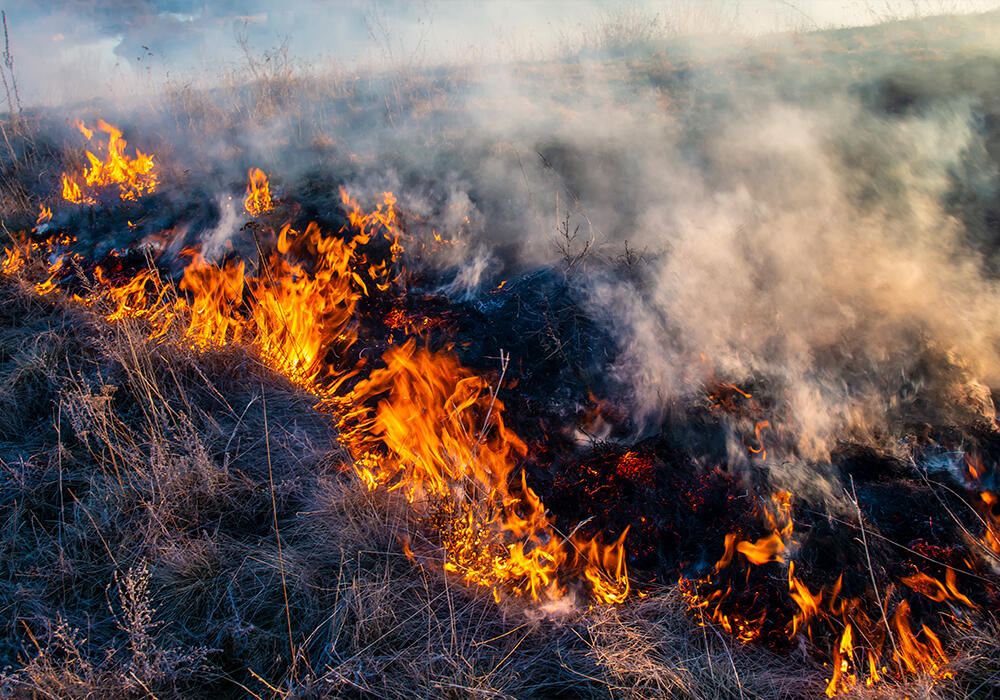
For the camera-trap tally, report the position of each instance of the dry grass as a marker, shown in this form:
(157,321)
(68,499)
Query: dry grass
(141,487)
(140,559)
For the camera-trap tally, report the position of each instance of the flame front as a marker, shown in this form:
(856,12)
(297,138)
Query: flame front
(421,425)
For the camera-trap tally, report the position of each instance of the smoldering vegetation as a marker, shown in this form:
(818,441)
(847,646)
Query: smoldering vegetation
(809,218)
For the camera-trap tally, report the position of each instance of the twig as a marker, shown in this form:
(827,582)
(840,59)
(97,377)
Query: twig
(8,62)
(277,535)
(871,572)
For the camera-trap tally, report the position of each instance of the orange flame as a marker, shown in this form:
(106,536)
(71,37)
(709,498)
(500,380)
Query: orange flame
(935,590)
(427,427)
(991,538)
(258,199)
(843,657)
(917,656)
(135,177)
(13,260)
(44,215)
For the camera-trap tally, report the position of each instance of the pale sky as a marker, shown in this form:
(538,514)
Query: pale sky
(69,50)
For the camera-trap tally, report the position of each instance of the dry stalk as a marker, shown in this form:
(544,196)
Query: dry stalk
(10,85)
(871,572)
(277,534)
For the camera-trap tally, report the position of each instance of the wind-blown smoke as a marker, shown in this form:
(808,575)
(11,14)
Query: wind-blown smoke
(804,214)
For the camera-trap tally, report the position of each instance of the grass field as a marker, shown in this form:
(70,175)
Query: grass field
(815,212)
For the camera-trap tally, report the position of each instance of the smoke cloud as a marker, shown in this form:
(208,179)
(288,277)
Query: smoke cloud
(806,213)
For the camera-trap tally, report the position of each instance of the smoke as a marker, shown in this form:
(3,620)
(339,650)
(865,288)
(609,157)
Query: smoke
(806,214)
(808,240)
(79,50)
(862,313)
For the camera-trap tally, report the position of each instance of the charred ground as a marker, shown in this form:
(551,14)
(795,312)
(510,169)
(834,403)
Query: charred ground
(145,485)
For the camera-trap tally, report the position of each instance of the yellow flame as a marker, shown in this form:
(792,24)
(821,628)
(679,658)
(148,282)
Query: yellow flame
(134,176)
(258,199)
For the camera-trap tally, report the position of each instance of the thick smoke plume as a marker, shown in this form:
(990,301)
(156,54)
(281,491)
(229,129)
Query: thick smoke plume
(779,212)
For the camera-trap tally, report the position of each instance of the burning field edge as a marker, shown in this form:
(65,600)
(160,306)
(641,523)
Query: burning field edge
(284,445)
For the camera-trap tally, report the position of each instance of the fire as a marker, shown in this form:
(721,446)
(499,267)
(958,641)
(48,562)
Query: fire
(44,216)
(134,176)
(216,294)
(430,429)
(421,425)
(917,656)
(843,658)
(918,652)
(606,570)
(808,603)
(258,199)
(991,518)
(13,260)
(49,285)
(935,590)
(71,192)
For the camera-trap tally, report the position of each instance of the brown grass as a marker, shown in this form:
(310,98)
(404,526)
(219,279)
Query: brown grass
(139,556)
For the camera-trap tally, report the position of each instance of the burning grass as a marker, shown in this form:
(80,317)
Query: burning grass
(432,496)
(142,557)
(296,458)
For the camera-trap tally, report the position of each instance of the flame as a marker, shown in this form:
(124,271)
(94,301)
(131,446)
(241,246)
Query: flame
(134,177)
(71,192)
(13,260)
(428,428)
(916,653)
(843,657)
(258,199)
(935,590)
(87,133)
(917,656)
(760,425)
(217,294)
(808,604)
(44,215)
(991,538)
(763,550)
(49,285)
(605,569)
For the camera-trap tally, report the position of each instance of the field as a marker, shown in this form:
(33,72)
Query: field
(663,367)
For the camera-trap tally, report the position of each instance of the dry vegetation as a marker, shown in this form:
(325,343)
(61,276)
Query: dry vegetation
(141,558)
(181,524)
(142,486)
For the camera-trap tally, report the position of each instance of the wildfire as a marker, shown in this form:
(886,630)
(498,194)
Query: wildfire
(419,424)
(134,176)
(258,199)
(820,611)
(422,425)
